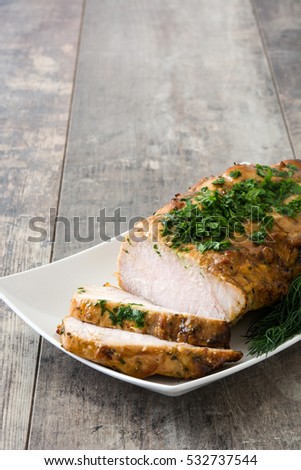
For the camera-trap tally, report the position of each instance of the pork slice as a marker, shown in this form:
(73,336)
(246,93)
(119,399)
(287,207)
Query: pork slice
(140,355)
(111,307)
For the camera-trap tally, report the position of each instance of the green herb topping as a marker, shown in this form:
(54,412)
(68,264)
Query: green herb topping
(267,172)
(291,209)
(215,218)
(81,290)
(292,167)
(102,303)
(235,174)
(155,246)
(120,314)
(277,323)
(216,246)
(218,181)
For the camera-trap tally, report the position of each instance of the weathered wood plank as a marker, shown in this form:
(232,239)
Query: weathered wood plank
(77,408)
(38,45)
(280,22)
(166,92)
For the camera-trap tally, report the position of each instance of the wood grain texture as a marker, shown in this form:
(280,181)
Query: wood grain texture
(280,22)
(38,45)
(166,92)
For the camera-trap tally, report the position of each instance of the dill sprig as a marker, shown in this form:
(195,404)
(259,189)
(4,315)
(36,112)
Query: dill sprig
(277,323)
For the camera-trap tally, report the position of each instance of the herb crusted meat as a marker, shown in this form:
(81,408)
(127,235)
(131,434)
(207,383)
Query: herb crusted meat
(111,307)
(229,245)
(140,355)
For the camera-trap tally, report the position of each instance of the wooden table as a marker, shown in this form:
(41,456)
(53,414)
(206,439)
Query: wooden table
(121,104)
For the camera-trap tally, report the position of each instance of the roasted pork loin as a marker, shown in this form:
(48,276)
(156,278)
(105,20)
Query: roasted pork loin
(185,258)
(140,355)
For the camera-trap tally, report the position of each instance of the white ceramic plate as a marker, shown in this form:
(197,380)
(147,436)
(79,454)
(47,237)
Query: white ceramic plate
(41,298)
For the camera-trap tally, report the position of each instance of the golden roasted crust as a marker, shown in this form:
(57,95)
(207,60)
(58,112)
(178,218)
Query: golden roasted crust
(173,360)
(186,328)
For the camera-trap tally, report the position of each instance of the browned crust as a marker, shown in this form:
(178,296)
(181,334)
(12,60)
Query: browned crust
(186,328)
(181,361)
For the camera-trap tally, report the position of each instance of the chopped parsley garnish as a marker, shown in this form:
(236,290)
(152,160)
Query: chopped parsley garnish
(292,167)
(216,246)
(220,180)
(155,247)
(267,172)
(235,174)
(258,237)
(211,219)
(102,303)
(81,290)
(291,209)
(120,314)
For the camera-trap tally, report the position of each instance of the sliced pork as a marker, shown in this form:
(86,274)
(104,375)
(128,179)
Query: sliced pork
(140,355)
(111,307)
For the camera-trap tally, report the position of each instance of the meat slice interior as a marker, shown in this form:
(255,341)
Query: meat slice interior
(175,281)
(112,307)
